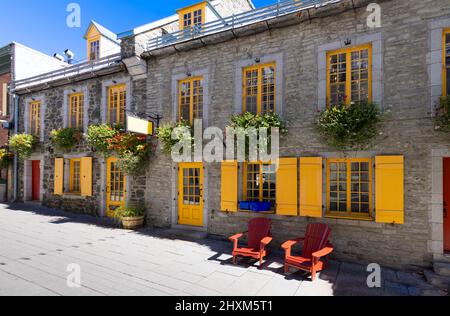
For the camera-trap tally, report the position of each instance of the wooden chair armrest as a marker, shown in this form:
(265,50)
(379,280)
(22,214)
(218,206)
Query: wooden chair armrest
(265,242)
(291,243)
(323,253)
(237,236)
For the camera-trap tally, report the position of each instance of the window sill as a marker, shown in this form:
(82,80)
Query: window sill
(266,213)
(72,196)
(350,217)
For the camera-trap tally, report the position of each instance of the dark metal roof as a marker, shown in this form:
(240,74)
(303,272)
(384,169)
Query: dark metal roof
(5,59)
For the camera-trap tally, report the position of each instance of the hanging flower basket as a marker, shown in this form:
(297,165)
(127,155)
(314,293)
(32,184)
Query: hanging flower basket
(66,138)
(6,158)
(350,126)
(169,139)
(23,145)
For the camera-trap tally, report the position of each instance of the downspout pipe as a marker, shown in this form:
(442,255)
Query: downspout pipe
(16,159)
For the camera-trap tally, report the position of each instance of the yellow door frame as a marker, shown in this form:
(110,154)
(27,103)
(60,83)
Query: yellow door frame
(113,204)
(190,214)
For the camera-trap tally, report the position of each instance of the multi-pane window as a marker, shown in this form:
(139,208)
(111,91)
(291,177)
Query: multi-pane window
(260,182)
(192,18)
(446,63)
(349,187)
(94,50)
(116,179)
(76,110)
(75,176)
(35,118)
(117,100)
(349,75)
(191,186)
(259,89)
(190,99)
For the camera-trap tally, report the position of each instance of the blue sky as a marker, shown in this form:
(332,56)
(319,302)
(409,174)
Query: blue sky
(41,24)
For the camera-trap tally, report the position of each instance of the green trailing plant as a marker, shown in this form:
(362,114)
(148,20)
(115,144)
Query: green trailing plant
(350,126)
(443,114)
(164,135)
(66,138)
(133,151)
(249,120)
(98,137)
(6,158)
(243,123)
(22,145)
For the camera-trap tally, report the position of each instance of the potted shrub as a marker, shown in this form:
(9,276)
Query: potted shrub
(66,138)
(350,126)
(22,145)
(131,217)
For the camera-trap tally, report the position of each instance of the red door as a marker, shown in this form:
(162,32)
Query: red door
(36,180)
(447,204)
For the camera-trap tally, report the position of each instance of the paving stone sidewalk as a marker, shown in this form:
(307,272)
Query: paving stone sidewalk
(37,245)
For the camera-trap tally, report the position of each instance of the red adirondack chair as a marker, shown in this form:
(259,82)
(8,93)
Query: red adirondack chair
(258,238)
(315,247)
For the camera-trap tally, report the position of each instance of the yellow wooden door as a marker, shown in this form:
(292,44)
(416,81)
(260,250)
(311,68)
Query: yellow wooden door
(190,197)
(115,187)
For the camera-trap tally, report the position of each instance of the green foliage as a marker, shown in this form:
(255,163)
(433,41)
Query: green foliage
(129,211)
(443,115)
(349,126)
(98,137)
(22,145)
(6,158)
(66,138)
(242,123)
(250,120)
(133,150)
(164,135)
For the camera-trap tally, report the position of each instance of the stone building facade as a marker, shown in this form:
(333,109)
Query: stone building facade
(406,59)
(403,85)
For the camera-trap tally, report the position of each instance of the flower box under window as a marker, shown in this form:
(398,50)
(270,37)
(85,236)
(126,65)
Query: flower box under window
(255,206)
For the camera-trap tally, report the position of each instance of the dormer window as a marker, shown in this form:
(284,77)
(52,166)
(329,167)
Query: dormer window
(94,49)
(192,17)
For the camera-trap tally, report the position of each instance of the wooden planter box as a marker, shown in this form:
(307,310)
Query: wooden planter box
(133,222)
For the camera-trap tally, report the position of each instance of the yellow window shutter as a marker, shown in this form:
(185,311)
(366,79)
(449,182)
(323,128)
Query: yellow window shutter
(86,176)
(389,189)
(311,182)
(229,186)
(287,196)
(59,176)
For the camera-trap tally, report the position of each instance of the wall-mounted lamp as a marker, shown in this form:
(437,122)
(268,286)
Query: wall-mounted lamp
(50,150)
(114,81)
(189,74)
(257,60)
(348,42)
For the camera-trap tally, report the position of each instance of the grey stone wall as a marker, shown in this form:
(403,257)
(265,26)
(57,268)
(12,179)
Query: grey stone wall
(408,128)
(53,99)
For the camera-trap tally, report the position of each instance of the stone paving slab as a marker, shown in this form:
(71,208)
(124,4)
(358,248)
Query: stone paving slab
(37,245)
